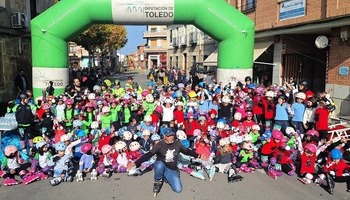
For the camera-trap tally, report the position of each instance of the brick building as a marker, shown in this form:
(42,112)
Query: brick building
(289,29)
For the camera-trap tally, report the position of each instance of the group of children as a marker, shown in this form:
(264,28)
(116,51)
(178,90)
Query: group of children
(239,128)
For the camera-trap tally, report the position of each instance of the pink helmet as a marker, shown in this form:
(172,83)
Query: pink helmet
(88,105)
(69,102)
(278,135)
(313,132)
(197,132)
(159,109)
(144,93)
(86,147)
(249,114)
(112,100)
(10,150)
(46,106)
(106,148)
(311,147)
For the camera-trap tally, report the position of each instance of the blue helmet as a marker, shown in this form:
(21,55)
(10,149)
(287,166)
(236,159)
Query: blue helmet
(150,83)
(185,143)
(80,133)
(178,94)
(201,84)
(77,123)
(155,137)
(60,146)
(222,121)
(252,86)
(336,154)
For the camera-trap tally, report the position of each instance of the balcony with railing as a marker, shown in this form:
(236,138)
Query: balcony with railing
(155,34)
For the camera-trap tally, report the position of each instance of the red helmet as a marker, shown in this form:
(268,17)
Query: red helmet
(106,148)
(278,135)
(213,111)
(313,132)
(311,147)
(86,147)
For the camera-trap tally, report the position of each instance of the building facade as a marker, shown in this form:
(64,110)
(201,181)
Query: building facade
(188,46)
(15,42)
(304,39)
(155,51)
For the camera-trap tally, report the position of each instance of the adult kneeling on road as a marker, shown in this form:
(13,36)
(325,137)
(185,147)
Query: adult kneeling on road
(167,151)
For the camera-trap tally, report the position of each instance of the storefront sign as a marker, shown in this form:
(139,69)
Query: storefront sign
(344,70)
(292,9)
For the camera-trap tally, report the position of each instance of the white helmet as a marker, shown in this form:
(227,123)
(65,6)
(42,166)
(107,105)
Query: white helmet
(149,98)
(64,138)
(290,130)
(233,138)
(179,103)
(91,96)
(148,118)
(300,95)
(134,146)
(226,99)
(106,109)
(224,141)
(94,125)
(127,135)
(120,145)
(256,127)
(270,94)
(168,100)
(247,138)
(146,132)
(237,116)
(181,135)
(220,125)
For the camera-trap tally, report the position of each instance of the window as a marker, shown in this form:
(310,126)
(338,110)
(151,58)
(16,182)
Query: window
(153,29)
(248,6)
(177,61)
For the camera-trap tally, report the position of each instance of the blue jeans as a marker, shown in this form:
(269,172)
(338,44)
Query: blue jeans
(172,176)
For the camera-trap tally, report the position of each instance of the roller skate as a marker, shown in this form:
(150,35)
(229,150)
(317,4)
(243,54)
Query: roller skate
(232,175)
(197,174)
(106,174)
(41,176)
(55,181)
(212,171)
(157,186)
(272,173)
(330,183)
(79,176)
(10,181)
(134,172)
(93,174)
(29,179)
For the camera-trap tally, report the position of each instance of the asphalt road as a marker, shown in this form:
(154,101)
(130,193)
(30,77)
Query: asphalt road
(254,186)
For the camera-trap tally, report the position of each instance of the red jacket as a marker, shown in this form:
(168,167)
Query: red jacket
(307,164)
(321,118)
(258,108)
(223,133)
(190,127)
(282,156)
(204,127)
(337,168)
(269,109)
(104,139)
(270,147)
(179,116)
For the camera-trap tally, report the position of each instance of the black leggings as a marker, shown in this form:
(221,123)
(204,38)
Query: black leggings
(342,179)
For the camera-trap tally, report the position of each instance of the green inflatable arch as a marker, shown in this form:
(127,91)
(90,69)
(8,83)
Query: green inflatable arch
(52,29)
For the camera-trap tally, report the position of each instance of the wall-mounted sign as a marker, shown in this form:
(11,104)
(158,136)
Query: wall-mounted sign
(344,70)
(292,9)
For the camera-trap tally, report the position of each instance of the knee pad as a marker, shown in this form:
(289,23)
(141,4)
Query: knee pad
(264,158)
(309,176)
(322,176)
(273,161)
(122,169)
(46,169)
(100,170)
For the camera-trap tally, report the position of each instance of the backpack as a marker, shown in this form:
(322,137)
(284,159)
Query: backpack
(24,114)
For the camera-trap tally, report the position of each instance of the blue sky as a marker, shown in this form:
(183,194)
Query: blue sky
(134,39)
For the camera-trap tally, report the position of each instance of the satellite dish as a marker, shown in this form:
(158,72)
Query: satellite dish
(321,42)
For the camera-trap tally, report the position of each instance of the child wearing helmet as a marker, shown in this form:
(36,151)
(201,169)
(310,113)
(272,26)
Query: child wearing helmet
(298,110)
(282,162)
(106,118)
(179,115)
(145,141)
(12,164)
(122,159)
(133,152)
(86,162)
(226,109)
(281,113)
(337,168)
(115,110)
(59,131)
(148,105)
(146,125)
(248,122)
(40,162)
(60,110)
(125,113)
(62,165)
(168,111)
(246,154)
(269,147)
(269,108)
(68,115)
(89,115)
(321,120)
(190,126)
(308,118)
(308,160)
(106,162)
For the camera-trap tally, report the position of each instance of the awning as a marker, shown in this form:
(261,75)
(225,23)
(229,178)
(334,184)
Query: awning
(259,49)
